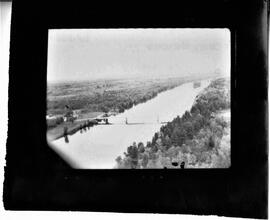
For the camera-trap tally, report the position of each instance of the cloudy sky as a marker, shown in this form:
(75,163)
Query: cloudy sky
(85,54)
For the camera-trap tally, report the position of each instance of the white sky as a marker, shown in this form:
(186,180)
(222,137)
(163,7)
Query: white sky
(85,54)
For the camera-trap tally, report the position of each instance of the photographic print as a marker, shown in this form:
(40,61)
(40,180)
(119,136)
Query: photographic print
(121,109)
(139,98)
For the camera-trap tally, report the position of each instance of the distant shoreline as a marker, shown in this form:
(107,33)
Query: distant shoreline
(131,78)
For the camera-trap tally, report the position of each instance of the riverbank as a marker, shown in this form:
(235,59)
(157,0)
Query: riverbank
(69,128)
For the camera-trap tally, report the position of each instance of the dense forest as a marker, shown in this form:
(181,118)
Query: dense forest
(199,139)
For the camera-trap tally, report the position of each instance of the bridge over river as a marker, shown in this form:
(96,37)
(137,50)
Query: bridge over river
(106,121)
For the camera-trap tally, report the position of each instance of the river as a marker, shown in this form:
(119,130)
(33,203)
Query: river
(98,147)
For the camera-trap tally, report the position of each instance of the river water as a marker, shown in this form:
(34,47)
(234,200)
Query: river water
(98,147)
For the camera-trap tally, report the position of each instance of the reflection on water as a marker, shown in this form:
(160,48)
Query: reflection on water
(98,147)
(66,139)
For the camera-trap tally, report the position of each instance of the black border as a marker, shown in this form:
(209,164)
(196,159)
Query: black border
(36,178)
